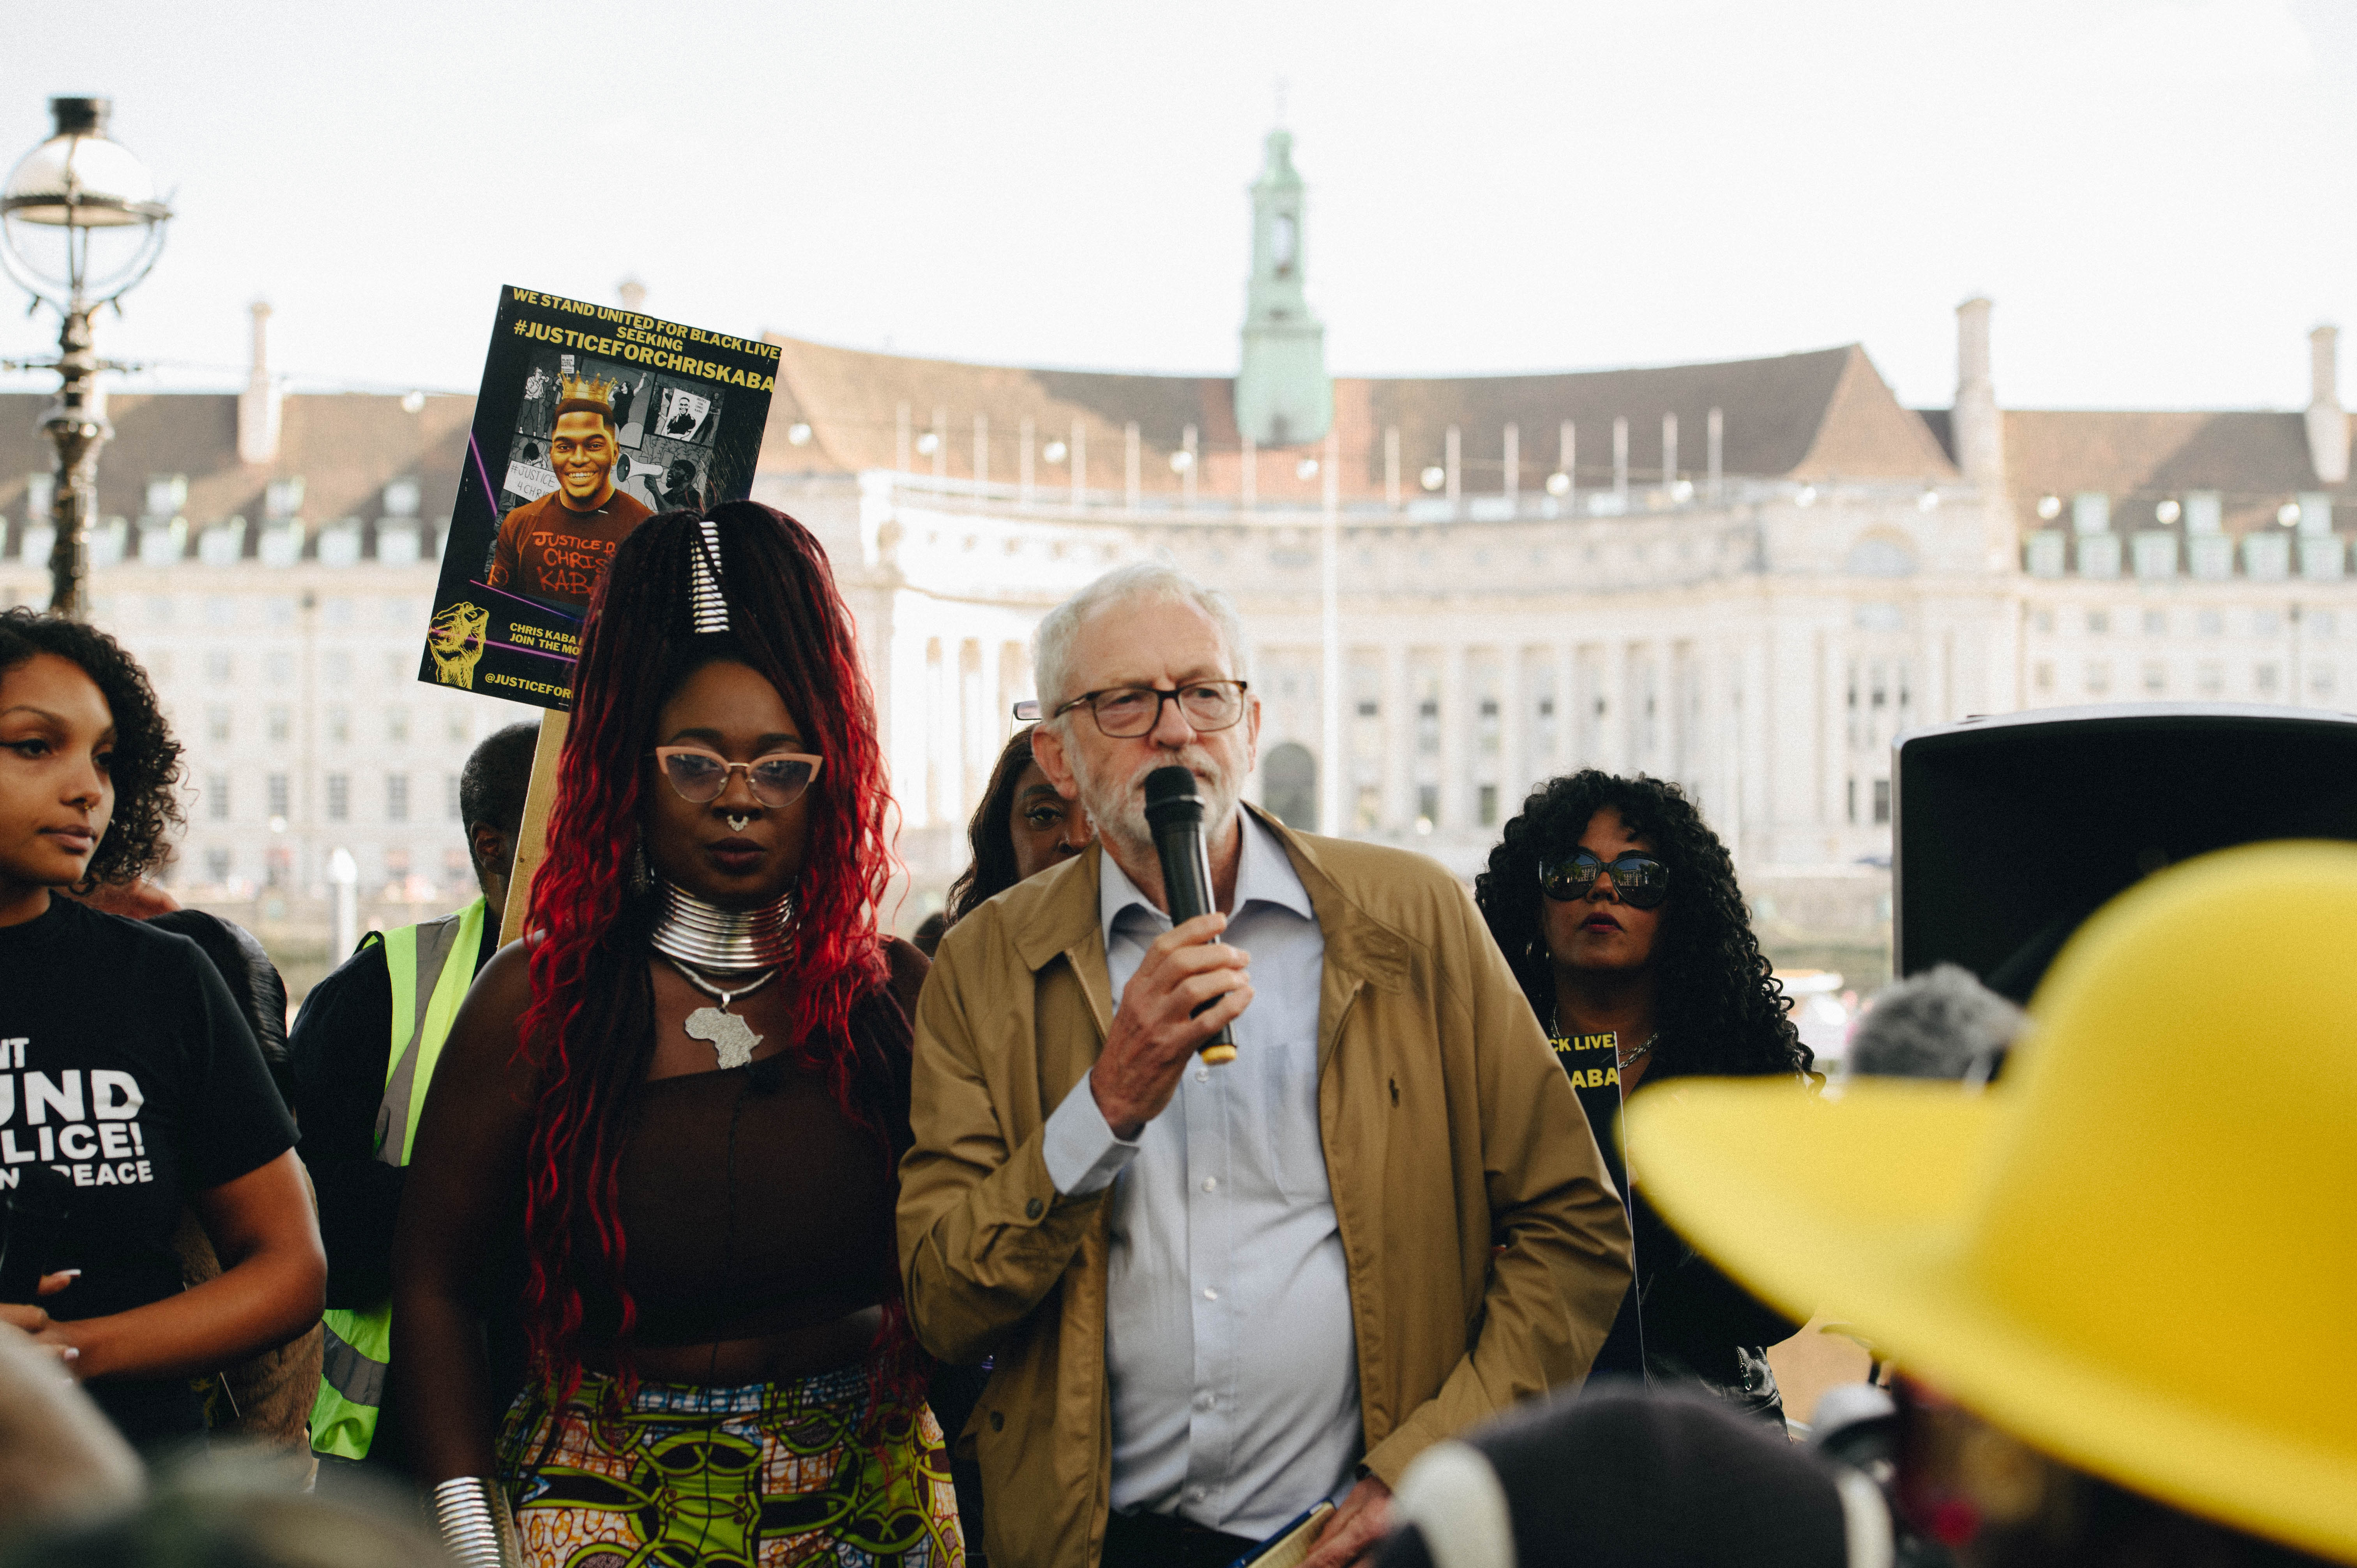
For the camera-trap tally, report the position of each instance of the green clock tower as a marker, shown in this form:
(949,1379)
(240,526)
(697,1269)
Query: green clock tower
(1284,397)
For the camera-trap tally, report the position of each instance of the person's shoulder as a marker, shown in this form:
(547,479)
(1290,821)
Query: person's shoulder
(117,939)
(368,967)
(904,971)
(1062,893)
(1379,874)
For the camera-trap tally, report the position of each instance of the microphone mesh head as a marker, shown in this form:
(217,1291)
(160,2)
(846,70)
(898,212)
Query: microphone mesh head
(708,611)
(1171,783)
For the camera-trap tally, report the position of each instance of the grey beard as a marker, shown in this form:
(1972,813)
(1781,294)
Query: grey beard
(1117,807)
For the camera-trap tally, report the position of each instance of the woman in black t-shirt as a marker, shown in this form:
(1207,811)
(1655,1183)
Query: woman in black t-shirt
(129,1083)
(1618,907)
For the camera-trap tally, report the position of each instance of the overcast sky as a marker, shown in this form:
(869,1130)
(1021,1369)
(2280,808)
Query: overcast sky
(2157,193)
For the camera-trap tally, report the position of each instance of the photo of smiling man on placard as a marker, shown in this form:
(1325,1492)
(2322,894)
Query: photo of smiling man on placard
(553,549)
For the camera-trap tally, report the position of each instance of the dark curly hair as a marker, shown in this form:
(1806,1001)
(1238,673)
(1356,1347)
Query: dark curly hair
(1721,1008)
(992,870)
(146,764)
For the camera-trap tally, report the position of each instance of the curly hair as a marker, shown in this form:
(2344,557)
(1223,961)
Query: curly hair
(1721,1008)
(590,1031)
(146,762)
(992,870)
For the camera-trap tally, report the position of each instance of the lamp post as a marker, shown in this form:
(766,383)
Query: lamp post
(79,225)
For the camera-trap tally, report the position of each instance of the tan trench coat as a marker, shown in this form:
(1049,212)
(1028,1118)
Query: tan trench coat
(1486,1249)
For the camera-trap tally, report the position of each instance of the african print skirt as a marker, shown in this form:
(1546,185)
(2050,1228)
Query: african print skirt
(761,1476)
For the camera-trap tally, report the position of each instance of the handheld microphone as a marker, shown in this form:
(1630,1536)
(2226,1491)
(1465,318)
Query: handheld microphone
(1174,811)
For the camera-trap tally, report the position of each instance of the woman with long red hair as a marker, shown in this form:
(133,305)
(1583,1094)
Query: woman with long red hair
(670,1120)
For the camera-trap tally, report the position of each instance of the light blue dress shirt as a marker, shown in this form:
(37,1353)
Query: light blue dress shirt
(1228,1348)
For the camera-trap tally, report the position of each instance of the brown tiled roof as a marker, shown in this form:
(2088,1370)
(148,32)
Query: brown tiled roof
(2257,460)
(1816,414)
(346,446)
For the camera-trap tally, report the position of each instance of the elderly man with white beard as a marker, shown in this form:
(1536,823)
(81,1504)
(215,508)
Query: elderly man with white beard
(1220,1296)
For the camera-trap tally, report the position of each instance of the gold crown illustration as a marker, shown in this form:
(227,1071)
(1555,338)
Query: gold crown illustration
(587,389)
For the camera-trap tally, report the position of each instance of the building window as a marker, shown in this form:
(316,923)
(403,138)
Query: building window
(217,866)
(450,796)
(281,665)
(396,797)
(2155,623)
(1882,802)
(1427,726)
(2319,623)
(216,799)
(339,724)
(2320,681)
(1371,808)
(2042,622)
(217,722)
(2211,679)
(1852,802)
(219,667)
(397,724)
(280,721)
(2155,678)
(2264,679)
(336,668)
(340,797)
(2099,677)
(1428,807)
(2266,623)
(1488,798)
(1368,710)
(2099,622)
(2209,623)
(278,791)
(2042,676)
(454,723)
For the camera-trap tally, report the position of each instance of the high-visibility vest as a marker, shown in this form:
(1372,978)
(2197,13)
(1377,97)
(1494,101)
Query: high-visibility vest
(431,964)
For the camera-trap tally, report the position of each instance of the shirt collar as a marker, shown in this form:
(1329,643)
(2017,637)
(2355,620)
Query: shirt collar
(1264,875)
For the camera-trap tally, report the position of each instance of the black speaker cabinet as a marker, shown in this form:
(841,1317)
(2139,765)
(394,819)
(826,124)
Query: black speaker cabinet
(2009,830)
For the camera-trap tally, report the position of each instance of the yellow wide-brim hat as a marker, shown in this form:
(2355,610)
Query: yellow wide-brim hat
(2137,1252)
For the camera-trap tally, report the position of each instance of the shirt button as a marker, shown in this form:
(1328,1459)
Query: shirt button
(1211,1294)
(1202,1075)
(1194,1493)
(1203,1402)
(1031,1209)
(1210,1184)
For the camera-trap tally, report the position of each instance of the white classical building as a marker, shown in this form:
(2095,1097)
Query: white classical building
(1746,577)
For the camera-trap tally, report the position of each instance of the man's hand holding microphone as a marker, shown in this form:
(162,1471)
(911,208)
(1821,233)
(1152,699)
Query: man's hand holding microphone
(1189,987)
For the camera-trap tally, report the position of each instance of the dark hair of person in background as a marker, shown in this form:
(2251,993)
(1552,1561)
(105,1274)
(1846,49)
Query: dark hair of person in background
(591,1023)
(146,763)
(1722,1010)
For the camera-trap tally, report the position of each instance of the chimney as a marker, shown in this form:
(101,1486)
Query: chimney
(2328,427)
(1977,427)
(258,405)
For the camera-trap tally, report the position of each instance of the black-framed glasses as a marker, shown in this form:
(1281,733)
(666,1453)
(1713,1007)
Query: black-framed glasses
(1124,713)
(698,776)
(1639,880)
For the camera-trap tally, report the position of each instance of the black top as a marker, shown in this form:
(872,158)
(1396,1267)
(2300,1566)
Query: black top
(342,1047)
(253,982)
(132,1076)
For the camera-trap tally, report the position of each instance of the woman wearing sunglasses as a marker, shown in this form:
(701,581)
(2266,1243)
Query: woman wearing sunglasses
(1617,908)
(670,1120)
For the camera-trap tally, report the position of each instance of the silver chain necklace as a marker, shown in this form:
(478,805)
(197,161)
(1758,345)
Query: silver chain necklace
(699,939)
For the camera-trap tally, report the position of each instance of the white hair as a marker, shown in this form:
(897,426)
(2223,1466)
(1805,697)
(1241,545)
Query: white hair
(1051,645)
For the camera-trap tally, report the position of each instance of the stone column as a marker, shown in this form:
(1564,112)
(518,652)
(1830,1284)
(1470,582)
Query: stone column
(1398,708)
(1456,727)
(1613,736)
(1513,780)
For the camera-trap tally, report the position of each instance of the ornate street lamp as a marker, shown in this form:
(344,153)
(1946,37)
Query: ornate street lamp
(79,226)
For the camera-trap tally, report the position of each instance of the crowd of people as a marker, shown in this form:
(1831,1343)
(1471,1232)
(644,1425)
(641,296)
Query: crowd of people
(712,1223)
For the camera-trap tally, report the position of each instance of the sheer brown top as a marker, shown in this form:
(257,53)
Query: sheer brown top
(751,1203)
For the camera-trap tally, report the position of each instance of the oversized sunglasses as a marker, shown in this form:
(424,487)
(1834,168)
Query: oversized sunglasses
(1640,881)
(698,776)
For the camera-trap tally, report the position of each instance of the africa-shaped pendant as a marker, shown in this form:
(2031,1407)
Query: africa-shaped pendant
(731,1038)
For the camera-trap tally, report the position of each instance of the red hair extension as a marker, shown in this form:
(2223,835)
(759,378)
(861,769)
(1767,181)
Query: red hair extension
(588,1033)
